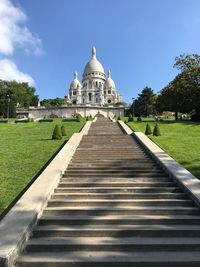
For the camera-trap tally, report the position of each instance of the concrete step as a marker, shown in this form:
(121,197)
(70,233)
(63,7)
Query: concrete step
(117,180)
(119,219)
(117,231)
(114,175)
(109,164)
(100,210)
(110,171)
(121,196)
(116,184)
(62,202)
(76,167)
(110,259)
(112,190)
(139,244)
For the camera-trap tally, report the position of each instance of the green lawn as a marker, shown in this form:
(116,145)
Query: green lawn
(24,150)
(181,140)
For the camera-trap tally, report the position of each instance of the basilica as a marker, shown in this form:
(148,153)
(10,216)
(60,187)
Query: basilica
(96,89)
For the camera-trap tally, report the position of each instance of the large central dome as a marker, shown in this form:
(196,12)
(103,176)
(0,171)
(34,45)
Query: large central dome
(93,65)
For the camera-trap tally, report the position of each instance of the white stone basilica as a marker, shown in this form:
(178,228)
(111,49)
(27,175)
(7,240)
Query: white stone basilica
(95,89)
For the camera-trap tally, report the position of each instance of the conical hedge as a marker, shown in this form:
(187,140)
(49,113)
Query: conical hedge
(57,134)
(119,118)
(130,118)
(156,130)
(148,130)
(63,130)
(78,118)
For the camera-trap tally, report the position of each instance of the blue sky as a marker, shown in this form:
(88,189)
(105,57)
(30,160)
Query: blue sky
(137,39)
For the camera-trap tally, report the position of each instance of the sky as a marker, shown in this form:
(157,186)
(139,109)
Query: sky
(43,42)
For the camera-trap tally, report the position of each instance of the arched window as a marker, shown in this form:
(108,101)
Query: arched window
(90,96)
(96,83)
(83,100)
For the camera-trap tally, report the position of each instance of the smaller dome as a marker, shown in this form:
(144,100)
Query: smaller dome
(75,84)
(109,83)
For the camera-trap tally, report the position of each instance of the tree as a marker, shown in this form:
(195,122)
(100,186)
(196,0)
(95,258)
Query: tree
(186,62)
(182,94)
(52,102)
(15,94)
(144,105)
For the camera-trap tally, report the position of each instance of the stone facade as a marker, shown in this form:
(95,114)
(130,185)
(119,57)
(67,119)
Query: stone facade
(96,89)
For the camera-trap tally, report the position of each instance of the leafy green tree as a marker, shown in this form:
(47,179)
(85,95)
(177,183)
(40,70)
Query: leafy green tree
(13,94)
(182,94)
(52,102)
(186,62)
(144,105)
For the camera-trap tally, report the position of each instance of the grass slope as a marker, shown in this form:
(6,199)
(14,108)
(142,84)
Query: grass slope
(24,150)
(181,140)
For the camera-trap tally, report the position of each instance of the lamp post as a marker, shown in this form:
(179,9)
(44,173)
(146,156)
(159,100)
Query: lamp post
(133,111)
(8,107)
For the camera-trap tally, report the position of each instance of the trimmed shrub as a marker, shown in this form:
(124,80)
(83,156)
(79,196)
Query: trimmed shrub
(46,120)
(91,117)
(156,130)
(119,118)
(87,118)
(3,121)
(68,119)
(78,118)
(148,129)
(139,119)
(63,130)
(57,134)
(30,120)
(130,117)
(22,121)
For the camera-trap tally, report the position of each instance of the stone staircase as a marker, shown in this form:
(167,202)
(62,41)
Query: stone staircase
(114,206)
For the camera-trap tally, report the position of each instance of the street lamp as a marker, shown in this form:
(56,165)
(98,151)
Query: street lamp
(8,107)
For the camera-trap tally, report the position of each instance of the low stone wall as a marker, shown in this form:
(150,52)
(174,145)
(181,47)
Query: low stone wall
(68,112)
(16,226)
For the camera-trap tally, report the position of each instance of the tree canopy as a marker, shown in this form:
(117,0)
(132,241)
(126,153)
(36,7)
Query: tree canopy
(15,94)
(187,62)
(183,93)
(144,105)
(52,102)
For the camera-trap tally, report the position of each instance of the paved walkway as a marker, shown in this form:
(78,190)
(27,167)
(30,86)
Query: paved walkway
(115,206)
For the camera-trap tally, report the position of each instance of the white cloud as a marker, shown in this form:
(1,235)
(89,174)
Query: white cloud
(9,72)
(13,31)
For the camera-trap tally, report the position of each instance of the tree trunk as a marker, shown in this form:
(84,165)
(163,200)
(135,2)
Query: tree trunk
(176,115)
